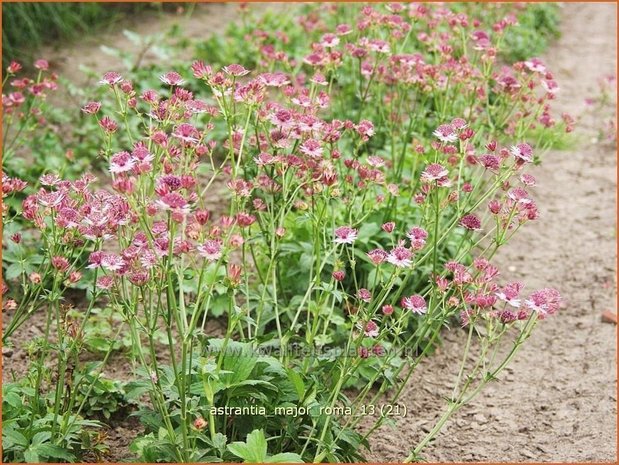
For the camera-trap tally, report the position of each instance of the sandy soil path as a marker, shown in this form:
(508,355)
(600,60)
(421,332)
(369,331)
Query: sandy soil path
(558,400)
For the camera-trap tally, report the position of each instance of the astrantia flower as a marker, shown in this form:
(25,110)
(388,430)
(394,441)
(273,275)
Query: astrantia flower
(536,65)
(379,46)
(112,262)
(510,292)
(108,124)
(520,196)
(343,29)
(91,108)
(274,79)
(49,179)
(490,162)
(211,250)
(329,40)
(235,70)
(201,70)
(522,152)
(172,78)
(43,65)
(377,256)
(471,222)
(186,132)
(436,172)
(173,201)
(319,79)
(121,162)
(364,295)
(545,301)
(111,78)
(371,329)
(60,263)
(311,148)
(345,235)
(105,282)
(414,303)
(527,180)
(446,133)
(365,129)
(400,256)
(550,86)
(418,237)
(388,227)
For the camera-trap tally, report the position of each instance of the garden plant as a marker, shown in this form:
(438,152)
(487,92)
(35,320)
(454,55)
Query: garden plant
(275,242)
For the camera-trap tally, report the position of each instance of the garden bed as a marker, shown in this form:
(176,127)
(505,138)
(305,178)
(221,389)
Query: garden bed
(560,389)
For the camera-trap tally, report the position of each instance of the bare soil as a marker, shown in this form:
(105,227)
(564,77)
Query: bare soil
(557,400)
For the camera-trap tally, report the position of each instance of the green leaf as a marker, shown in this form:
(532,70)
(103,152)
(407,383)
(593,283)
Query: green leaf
(55,452)
(13,271)
(297,382)
(286,457)
(254,450)
(12,438)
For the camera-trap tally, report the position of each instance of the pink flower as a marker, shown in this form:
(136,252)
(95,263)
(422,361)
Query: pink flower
(108,125)
(278,79)
(490,162)
(211,250)
(364,295)
(536,65)
(365,129)
(433,172)
(121,162)
(436,172)
(186,132)
(418,237)
(91,108)
(550,86)
(235,70)
(371,329)
(471,222)
(60,263)
(510,293)
(339,275)
(245,219)
(111,78)
(105,282)
(13,68)
(388,227)
(173,201)
(400,257)
(343,29)
(520,196)
(545,301)
(200,70)
(414,303)
(522,153)
(43,65)
(329,40)
(377,256)
(528,180)
(345,235)
(311,148)
(172,78)
(446,133)
(387,309)
(112,262)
